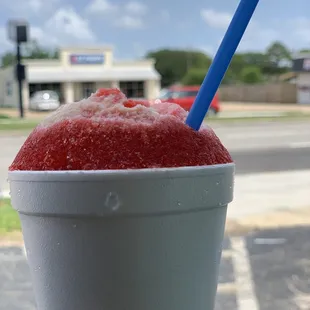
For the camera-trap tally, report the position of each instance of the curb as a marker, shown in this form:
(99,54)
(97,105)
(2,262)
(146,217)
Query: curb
(5,195)
(252,114)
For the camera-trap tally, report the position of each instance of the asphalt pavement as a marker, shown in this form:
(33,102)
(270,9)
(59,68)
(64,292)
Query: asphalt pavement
(15,281)
(271,160)
(280,267)
(278,278)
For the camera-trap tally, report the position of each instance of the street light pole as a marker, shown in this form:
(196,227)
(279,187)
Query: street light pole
(19,80)
(18,33)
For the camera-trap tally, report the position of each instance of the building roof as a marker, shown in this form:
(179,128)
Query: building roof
(62,70)
(287,76)
(84,48)
(60,74)
(302,55)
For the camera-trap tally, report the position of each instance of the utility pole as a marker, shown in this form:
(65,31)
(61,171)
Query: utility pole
(20,74)
(18,33)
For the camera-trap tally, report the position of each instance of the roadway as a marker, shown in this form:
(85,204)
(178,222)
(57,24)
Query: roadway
(258,147)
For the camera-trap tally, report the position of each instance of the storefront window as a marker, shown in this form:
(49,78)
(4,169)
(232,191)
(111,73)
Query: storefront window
(88,89)
(9,88)
(133,89)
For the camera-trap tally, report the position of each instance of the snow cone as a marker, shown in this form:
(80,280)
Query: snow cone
(123,206)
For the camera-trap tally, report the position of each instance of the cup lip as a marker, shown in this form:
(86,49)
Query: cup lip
(93,175)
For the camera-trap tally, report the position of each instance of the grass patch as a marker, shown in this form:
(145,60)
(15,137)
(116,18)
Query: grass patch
(17,124)
(287,117)
(9,219)
(4,116)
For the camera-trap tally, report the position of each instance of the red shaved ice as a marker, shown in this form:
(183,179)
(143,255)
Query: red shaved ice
(108,131)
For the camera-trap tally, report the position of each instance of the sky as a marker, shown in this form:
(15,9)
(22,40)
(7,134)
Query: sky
(135,27)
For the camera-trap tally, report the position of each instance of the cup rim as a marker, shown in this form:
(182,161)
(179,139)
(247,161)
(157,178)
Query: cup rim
(84,175)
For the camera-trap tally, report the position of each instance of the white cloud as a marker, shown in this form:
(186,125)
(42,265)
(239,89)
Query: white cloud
(64,27)
(134,7)
(37,33)
(129,22)
(4,42)
(30,7)
(258,37)
(128,16)
(294,33)
(216,19)
(101,6)
(69,26)
(35,5)
(44,36)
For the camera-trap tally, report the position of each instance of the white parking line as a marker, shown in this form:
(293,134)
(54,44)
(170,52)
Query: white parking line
(300,145)
(24,251)
(258,134)
(246,297)
(302,301)
(297,287)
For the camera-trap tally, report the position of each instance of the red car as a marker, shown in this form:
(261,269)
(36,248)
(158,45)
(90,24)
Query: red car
(185,97)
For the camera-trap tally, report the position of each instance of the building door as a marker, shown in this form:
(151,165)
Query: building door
(303,94)
(88,88)
(133,89)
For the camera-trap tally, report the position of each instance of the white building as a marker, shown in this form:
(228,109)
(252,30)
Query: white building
(79,72)
(301,66)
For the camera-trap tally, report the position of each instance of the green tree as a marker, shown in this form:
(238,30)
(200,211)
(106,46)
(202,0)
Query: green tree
(236,65)
(33,50)
(279,59)
(277,54)
(251,75)
(174,64)
(230,77)
(254,59)
(194,76)
(275,61)
(8,59)
(30,50)
(241,61)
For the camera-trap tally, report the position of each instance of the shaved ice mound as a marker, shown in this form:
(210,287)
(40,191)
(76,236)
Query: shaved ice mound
(109,131)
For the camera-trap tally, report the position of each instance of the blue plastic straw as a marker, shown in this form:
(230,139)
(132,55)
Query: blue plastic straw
(221,62)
